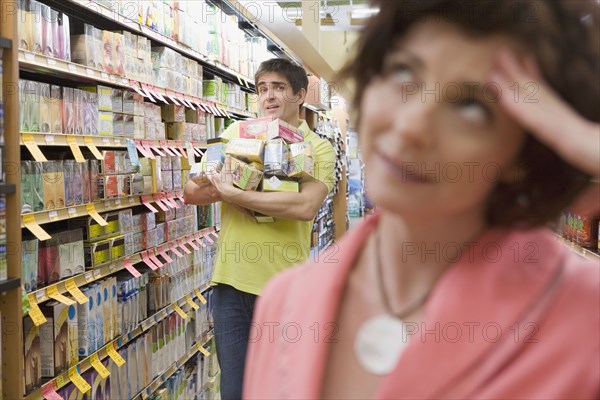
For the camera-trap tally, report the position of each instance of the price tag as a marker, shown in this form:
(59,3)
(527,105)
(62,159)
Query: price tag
(117,141)
(191,243)
(129,267)
(158,202)
(91,209)
(174,250)
(179,195)
(72,142)
(213,232)
(90,72)
(52,215)
(34,312)
(97,274)
(172,201)
(114,355)
(131,200)
(172,98)
(147,93)
(240,80)
(72,67)
(89,277)
(98,366)
(89,142)
(146,146)
(49,139)
(179,311)
(164,255)
(157,94)
(154,259)
(53,293)
(78,380)
(104,75)
(60,380)
(31,224)
(146,202)
(107,205)
(189,300)
(200,296)
(74,290)
(206,236)
(182,246)
(49,392)
(148,262)
(199,240)
(33,148)
(29,56)
(106,141)
(203,350)
(117,202)
(72,211)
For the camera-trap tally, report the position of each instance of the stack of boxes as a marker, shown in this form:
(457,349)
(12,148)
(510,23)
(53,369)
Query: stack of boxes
(43,30)
(173,71)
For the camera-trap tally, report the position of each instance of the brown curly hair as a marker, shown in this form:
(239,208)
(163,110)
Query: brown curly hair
(563,36)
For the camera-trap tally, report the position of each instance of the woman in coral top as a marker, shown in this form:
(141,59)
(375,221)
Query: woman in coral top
(475,123)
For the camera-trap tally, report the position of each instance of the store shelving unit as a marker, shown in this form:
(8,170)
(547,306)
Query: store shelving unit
(591,254)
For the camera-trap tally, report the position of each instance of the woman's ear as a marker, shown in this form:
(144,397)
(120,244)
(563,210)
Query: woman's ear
(301,95)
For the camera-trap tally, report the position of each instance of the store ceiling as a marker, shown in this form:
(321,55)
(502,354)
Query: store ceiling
(336,15)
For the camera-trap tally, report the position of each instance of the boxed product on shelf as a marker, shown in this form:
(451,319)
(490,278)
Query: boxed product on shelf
(33,364)
(56,124)
(29,264)
(47,30)
(71,257)
(48,262)
(173,113)
(84,47)
(97,253)
(86,323)
(68,113)
(45,120)
(58,338)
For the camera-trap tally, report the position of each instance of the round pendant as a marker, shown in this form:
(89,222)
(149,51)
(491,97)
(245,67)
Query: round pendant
(379,344)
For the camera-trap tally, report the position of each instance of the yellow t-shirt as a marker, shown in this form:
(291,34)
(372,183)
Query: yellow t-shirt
(249,254)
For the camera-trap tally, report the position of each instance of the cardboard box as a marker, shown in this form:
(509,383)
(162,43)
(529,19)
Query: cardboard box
(268,128)
(274,184)
(276,157)
(33,364)
(301,163)
(45,120)
(249,150)
(246,176)
(56,109)
(97,253)
(173,113)
(55,341)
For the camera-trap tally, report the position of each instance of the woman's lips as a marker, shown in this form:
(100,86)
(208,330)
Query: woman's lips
(406,172)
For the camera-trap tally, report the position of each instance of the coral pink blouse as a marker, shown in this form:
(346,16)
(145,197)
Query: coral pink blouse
(517,317)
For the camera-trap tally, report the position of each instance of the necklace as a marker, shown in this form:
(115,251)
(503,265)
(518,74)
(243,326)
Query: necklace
(381,340)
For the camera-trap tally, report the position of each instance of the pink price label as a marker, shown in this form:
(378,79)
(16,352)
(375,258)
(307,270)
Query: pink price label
(191,243)
(182,246)
(154,259)
(129,267)
(146,146)
(213,232)
(174,250)
(164,255)
(158,202)
(49,392)
(171,200)
(207,237)
(147,261)
(199,240)
(146,202)
(179,195)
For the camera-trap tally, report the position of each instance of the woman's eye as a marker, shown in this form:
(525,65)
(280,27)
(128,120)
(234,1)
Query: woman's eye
(401,73)
(473,110)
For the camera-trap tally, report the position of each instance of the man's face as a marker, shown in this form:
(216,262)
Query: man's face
(276,98)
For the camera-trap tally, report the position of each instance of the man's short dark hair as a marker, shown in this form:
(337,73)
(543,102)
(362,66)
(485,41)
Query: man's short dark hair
(292,72)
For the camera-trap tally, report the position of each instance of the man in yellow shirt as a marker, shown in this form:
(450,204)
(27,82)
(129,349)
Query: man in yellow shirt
(251,253)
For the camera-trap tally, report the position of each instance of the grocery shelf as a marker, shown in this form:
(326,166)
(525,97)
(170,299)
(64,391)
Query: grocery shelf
(37,63)
(61,214)
(34,62)
(592,254)
(213,65)
(162,378)
(59,139)
(5,43)
(316,107)
(9,284)
(41,295)
(6,188)
(63,379)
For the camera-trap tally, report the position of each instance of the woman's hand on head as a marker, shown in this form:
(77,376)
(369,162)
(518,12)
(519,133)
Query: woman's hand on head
(537,108)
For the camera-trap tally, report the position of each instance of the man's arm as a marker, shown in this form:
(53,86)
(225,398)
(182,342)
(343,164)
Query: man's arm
(299,206)
(200,195)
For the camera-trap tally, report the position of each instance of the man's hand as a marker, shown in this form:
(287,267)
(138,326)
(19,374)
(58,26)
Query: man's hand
(223,182)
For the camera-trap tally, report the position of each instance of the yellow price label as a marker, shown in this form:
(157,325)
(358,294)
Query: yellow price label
(90,145)
(72,142)
(74,290)
(203,350)
(114,355)
(78,380)
(200,296)
(53,293)
(189,300)
(179,311)
(31,224)
(98,366)
(60,381)
(34,312)
(33,148)
(91,209)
